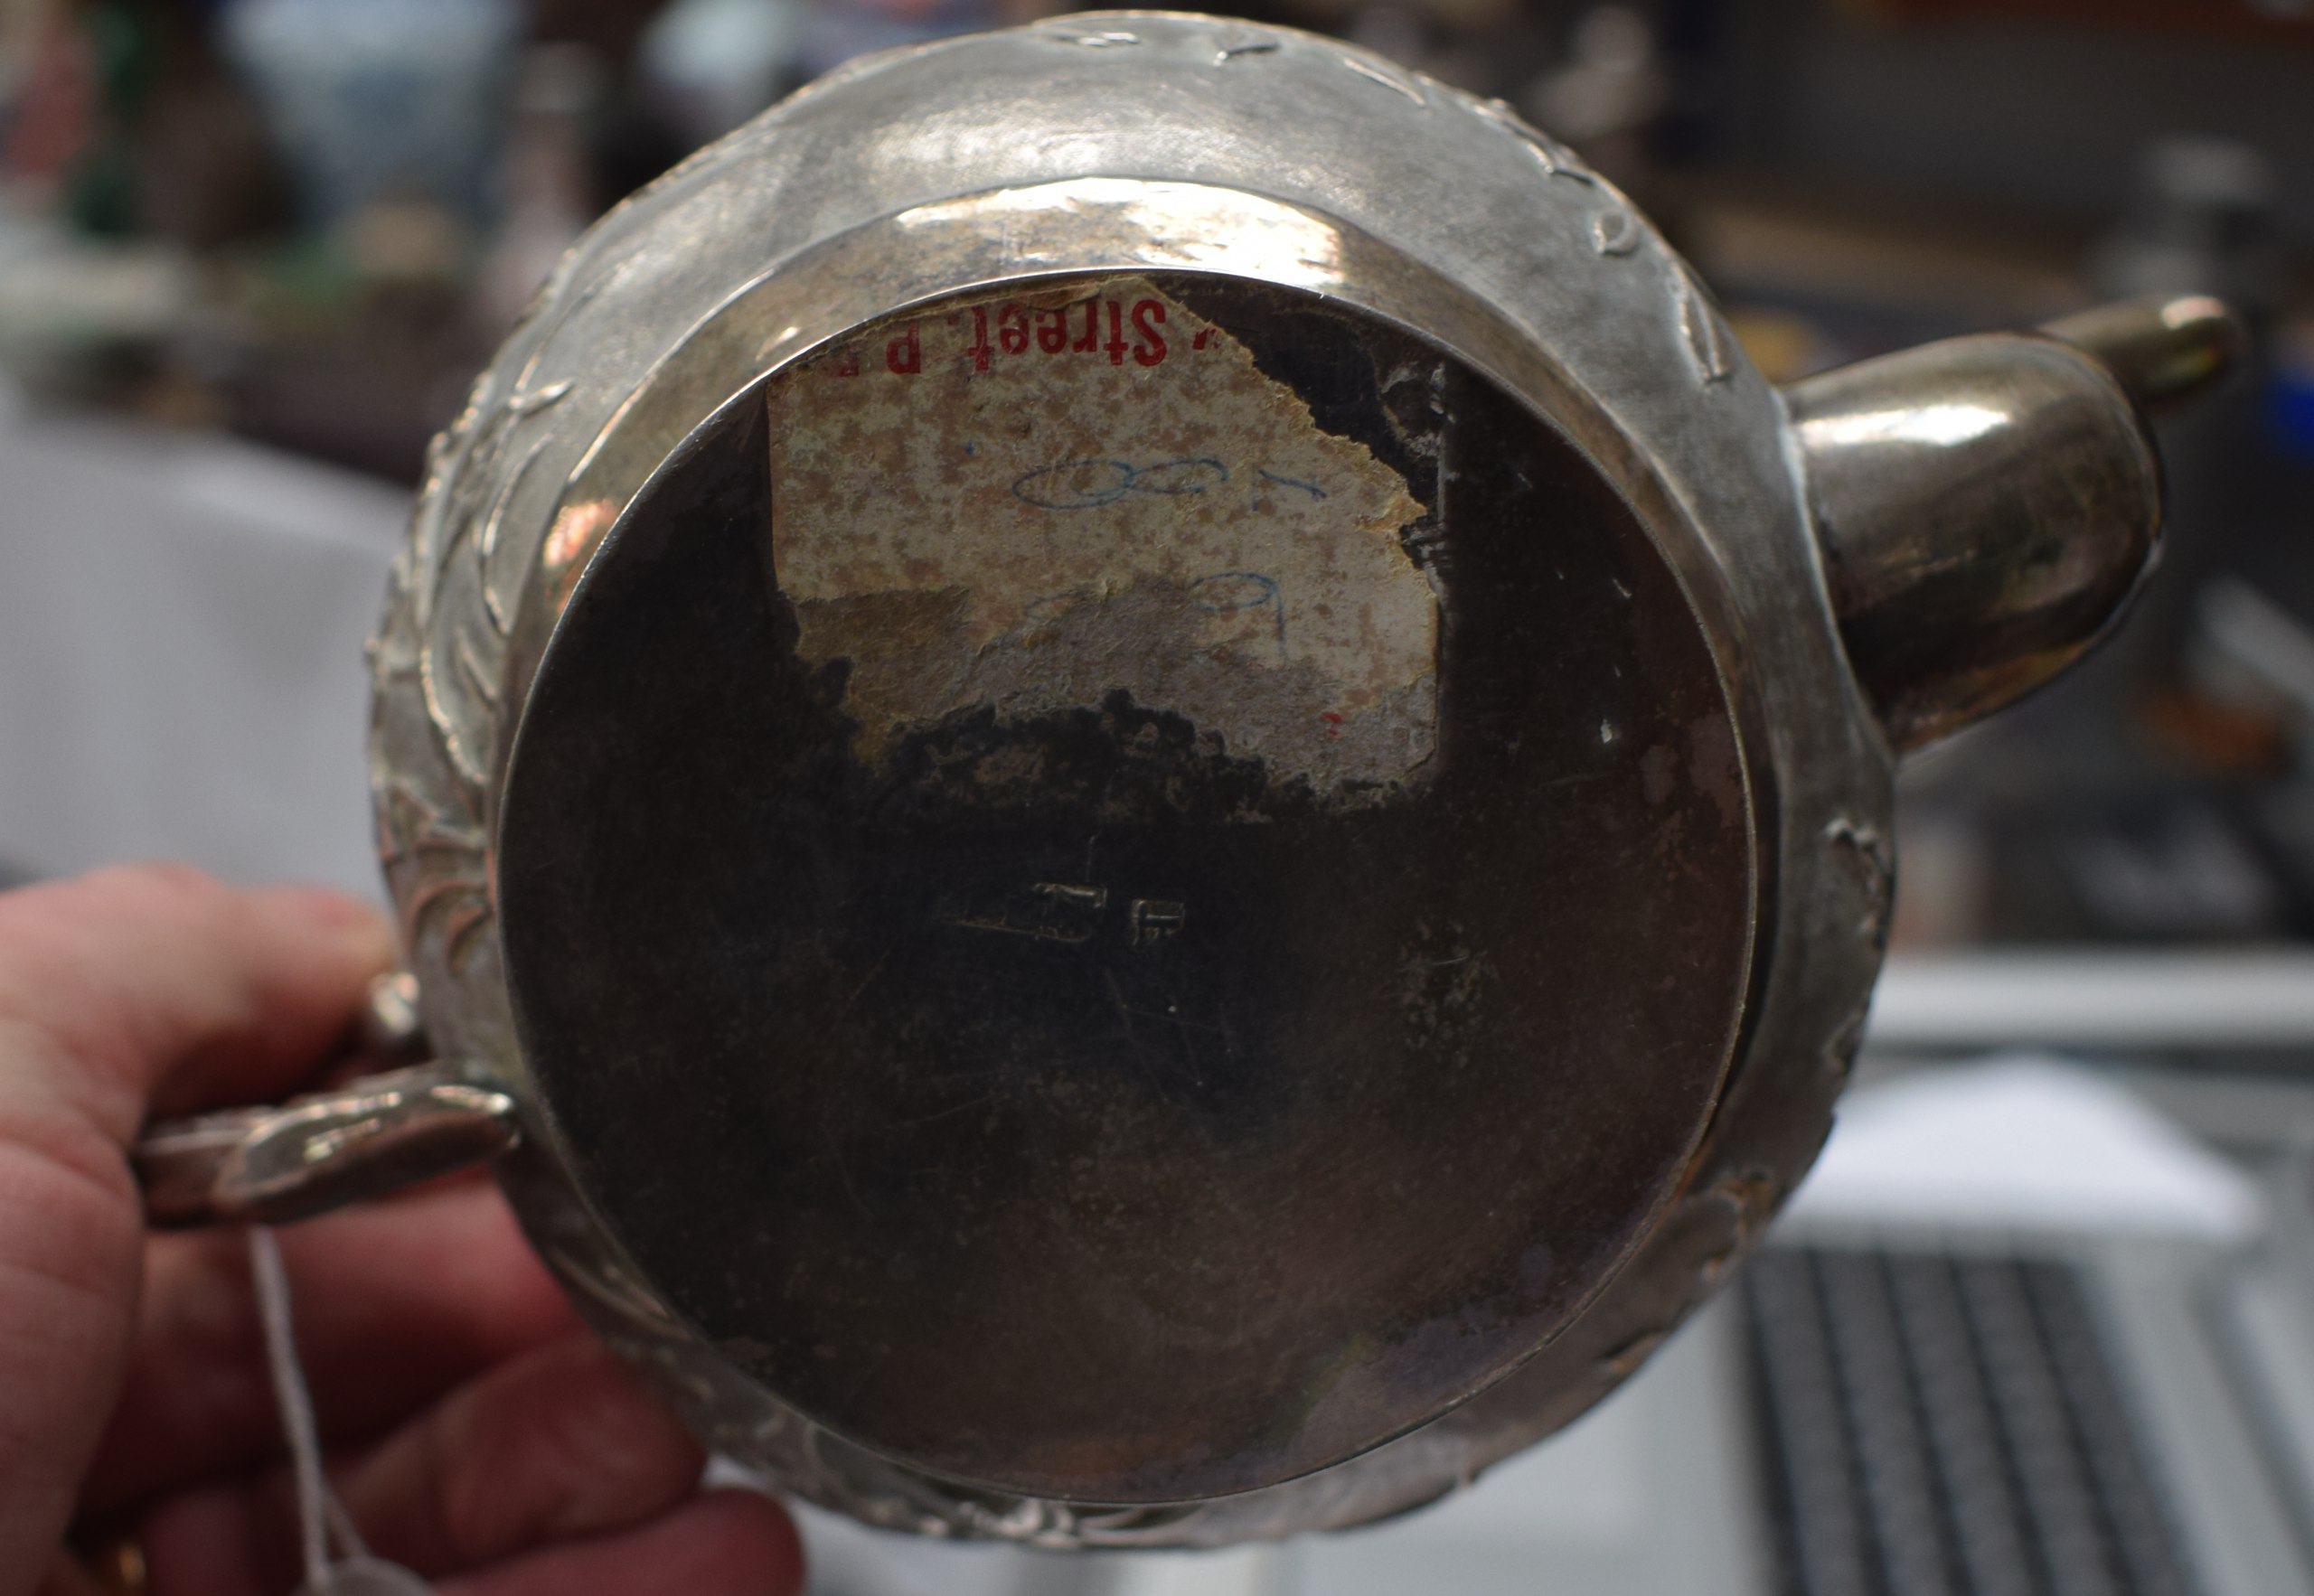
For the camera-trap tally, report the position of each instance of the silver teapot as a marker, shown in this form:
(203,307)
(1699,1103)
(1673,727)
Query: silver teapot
(1144,794)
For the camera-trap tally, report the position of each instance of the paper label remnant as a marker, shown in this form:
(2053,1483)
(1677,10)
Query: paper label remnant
(1030,501)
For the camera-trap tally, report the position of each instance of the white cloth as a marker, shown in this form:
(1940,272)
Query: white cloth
(2026,1142)
(182,621)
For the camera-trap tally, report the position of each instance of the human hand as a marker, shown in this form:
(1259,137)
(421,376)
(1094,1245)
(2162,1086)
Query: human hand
(477,1433)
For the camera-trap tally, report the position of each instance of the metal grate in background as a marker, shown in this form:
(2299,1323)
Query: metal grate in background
(1947,1426)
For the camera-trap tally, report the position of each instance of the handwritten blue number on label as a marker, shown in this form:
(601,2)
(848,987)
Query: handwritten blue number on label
(1089,485)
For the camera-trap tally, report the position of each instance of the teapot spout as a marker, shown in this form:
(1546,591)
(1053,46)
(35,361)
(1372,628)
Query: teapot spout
(1987,506)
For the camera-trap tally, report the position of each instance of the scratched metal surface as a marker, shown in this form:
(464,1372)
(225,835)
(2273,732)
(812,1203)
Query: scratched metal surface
(1140,143)
(1104,1107)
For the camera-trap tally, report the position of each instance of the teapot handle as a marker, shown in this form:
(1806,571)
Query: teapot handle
(278,1162)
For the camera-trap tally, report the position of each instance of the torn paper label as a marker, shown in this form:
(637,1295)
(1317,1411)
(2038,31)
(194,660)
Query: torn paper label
(1029,502)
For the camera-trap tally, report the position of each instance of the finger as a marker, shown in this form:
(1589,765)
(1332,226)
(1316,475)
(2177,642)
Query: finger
(562,1442)
(67,1577)
(395,1303)
(726,1542)
(155,984)
(110,986)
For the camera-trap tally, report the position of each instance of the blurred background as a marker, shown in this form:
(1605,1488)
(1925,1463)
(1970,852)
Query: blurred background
(252,251)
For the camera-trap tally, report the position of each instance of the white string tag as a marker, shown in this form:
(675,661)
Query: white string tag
(321,1517)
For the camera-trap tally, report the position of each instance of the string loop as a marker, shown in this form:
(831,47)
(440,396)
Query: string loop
(322,1519)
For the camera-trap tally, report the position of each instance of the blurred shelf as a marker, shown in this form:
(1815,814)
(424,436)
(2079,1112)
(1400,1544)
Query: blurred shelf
(2219,999)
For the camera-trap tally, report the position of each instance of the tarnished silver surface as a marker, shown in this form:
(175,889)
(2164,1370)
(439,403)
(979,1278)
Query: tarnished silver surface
(2164,352)
(268,1166)
(1119,147)
(1191,144)
(1988,505)
(392,1029)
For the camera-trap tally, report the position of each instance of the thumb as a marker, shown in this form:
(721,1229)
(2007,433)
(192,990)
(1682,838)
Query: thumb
(119,991)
